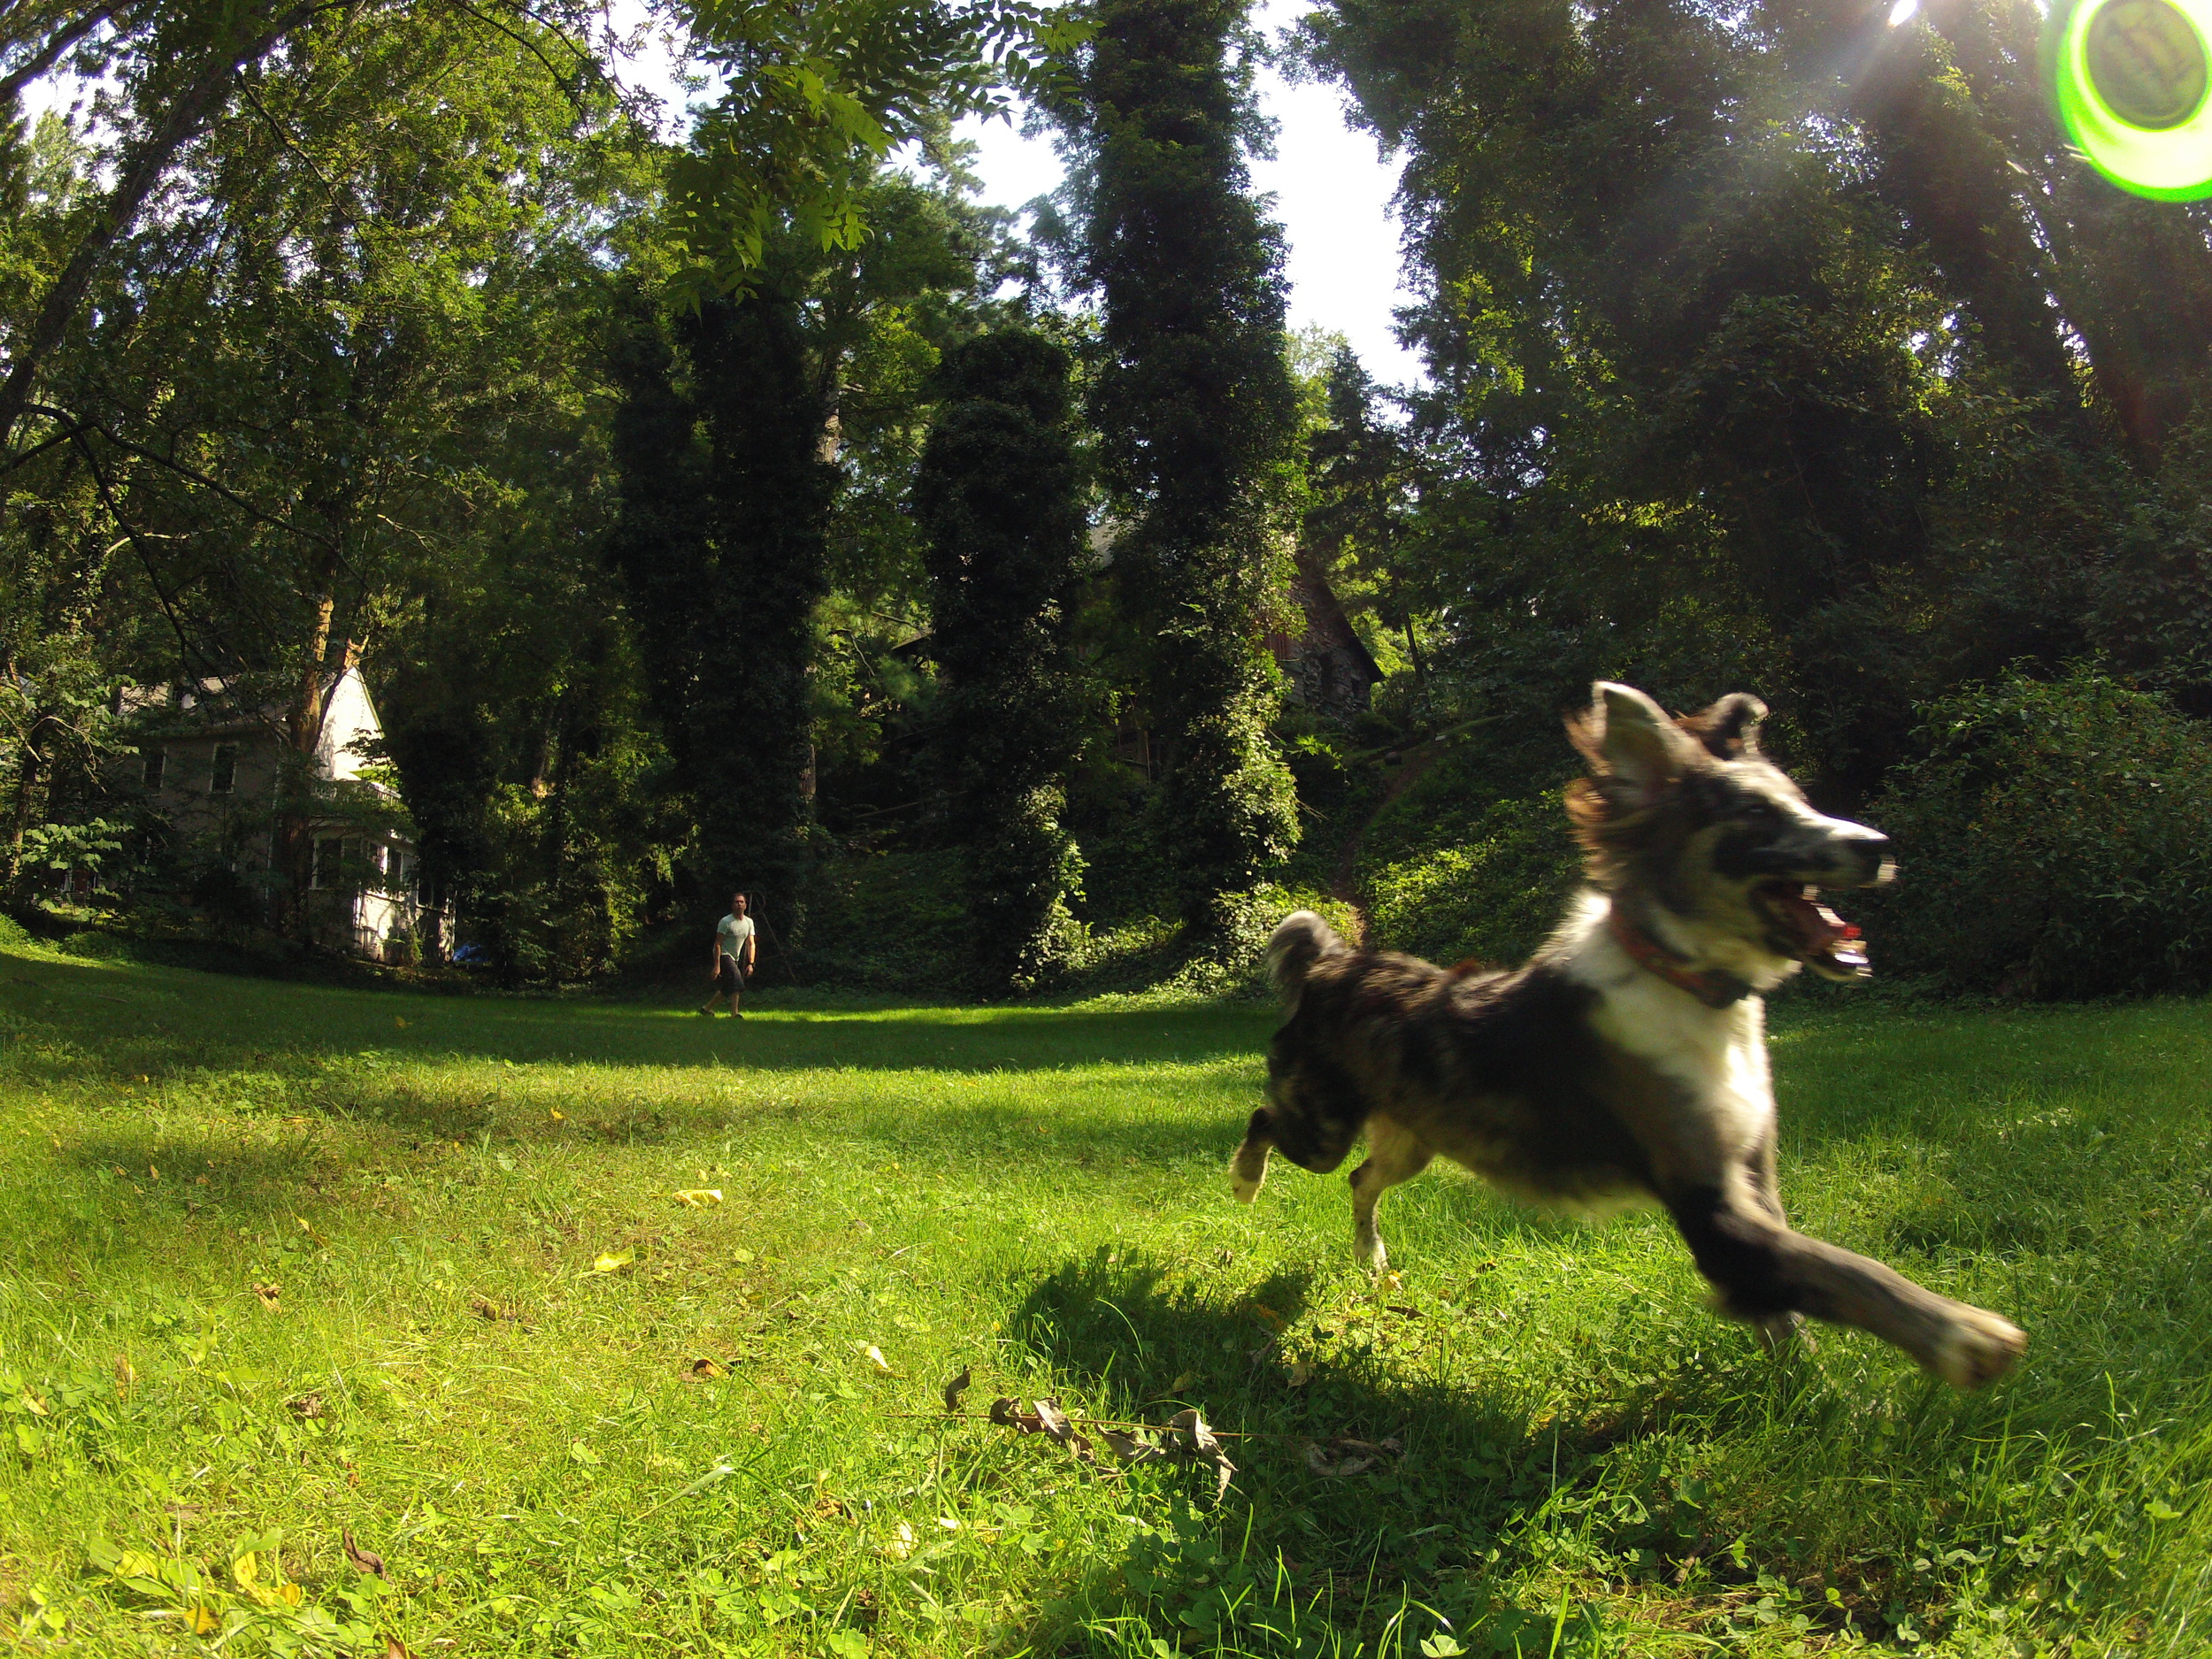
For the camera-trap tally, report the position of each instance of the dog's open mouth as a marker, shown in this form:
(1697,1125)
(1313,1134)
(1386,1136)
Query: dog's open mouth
(1809,930)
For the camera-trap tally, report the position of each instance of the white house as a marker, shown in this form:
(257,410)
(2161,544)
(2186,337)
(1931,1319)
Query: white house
(209,768)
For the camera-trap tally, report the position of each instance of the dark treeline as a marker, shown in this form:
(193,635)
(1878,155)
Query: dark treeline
(1009,601)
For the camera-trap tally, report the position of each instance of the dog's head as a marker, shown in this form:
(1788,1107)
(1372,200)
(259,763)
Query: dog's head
(1689,814)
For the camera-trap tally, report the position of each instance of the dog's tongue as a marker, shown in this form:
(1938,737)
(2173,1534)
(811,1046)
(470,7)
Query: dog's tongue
(1824,935)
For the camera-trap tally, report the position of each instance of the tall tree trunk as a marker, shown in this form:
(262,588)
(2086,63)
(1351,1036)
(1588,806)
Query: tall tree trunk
(26,774)
(303,733)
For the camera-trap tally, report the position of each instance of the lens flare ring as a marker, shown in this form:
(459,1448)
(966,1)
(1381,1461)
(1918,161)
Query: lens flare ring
(2134,84)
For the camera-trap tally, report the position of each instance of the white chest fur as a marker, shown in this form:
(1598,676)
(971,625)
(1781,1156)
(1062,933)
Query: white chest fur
(1720,1054)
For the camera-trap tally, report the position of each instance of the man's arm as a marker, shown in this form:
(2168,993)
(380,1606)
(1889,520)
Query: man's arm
(750,940)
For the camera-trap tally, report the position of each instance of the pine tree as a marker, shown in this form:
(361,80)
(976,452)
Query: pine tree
(998,500)
(1197,416)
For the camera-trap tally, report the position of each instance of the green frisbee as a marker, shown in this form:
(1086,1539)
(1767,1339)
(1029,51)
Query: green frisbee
(2134,79)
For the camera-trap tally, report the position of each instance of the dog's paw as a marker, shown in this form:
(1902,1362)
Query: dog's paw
(1978,1348)
(1246,1191)
(1784,1334)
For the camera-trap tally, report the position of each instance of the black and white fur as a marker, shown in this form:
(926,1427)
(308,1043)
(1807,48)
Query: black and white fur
(1626,1062)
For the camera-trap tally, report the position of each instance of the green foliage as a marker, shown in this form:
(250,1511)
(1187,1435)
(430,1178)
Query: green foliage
(817,95)
(1750,375)
(765,414)
(2052,844)
(1197,417)
(894,922)
(1491,894)
(999,495)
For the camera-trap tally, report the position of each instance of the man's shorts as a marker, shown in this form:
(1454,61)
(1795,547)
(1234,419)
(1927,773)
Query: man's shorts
(729,978)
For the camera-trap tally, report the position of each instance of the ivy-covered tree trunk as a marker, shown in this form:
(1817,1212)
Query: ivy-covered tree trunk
(1197,417)
(998,500)
(749,720)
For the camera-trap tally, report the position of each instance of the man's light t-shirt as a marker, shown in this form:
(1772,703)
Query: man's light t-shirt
(731,935)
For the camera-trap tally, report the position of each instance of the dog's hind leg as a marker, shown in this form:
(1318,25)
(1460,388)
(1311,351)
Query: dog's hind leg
(1393,1155)
(1763,1269)
(1248,1168)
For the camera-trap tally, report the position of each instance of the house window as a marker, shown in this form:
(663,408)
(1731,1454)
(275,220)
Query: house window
(156,761)
(341,863)
(225,779)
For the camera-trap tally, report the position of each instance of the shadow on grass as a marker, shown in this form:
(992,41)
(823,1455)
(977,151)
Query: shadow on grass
(157,1021)
(1299,1559)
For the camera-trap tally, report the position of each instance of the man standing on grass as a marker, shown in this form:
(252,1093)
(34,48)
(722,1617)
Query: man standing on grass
(733,957)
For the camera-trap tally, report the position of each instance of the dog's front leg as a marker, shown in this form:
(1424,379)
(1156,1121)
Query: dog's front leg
(1765,1272)
(1784,1332)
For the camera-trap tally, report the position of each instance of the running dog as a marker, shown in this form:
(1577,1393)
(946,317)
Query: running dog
(1627,1064)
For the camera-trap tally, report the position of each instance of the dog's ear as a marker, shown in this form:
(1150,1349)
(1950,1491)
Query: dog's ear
(1730,728)
(1629,738)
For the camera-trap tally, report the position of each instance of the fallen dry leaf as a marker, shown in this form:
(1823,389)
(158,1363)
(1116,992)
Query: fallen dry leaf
(364,1560)
(708,1369)
(613,1261)
(874,1356)
(485,1307)
(395,1648)
(1055,1421)
(958,1386)
(1344,1457)
(307,1408)
(269,1294)
(901,1544)
(1131,1448)
(698,1197)
(1301,1373)
(1200,1446)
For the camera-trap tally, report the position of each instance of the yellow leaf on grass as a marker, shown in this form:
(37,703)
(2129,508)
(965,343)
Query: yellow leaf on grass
(204,1620)
(246,1570)
(698,1197)
(1182,1382)
(1268,1314)
(134,1563)
(293,1595)
(613,1261)
(399,1021)
(901,1543)
(875,1358)
(1301,1373)
(559,1117)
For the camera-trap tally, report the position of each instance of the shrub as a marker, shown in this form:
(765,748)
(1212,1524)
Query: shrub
(1493,893)
(2053,844)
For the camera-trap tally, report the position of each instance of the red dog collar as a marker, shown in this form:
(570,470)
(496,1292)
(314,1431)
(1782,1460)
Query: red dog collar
(1713,988)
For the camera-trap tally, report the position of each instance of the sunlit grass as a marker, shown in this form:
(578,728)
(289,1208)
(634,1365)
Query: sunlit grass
(284,1262)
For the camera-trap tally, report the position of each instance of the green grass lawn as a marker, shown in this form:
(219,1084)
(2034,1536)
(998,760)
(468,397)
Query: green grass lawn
(283,1263)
